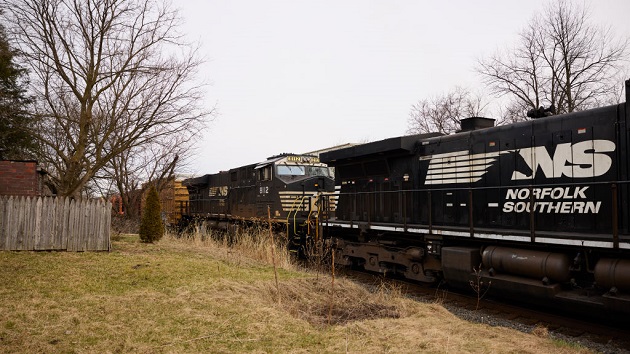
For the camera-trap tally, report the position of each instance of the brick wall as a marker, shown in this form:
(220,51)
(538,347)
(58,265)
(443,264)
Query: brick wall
(19,178)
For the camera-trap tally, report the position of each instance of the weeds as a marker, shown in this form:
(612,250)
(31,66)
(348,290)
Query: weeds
(196,295)
(332,287)
(318,256)
(273,251)
(309,300)
(478,285)
(256,242)
(440,294)
(540,331)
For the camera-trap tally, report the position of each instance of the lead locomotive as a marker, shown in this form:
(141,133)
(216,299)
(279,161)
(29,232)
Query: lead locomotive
(285,187)
(541,207)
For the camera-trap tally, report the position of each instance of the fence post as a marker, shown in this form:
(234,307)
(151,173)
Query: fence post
(3,223)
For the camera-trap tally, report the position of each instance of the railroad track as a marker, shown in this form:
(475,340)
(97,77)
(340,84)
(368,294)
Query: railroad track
(595,334)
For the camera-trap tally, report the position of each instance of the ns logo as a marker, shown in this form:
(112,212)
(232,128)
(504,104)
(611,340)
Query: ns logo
(579,160)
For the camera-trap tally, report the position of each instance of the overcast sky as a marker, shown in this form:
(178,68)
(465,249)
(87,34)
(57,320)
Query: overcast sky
(295,76)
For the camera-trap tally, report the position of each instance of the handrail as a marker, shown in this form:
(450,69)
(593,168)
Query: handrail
(451,189)
(295,210)
(298,208)
(614,186)
(291,209)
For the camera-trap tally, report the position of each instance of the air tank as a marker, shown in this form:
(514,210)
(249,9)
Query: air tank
(528,263)
(613,273)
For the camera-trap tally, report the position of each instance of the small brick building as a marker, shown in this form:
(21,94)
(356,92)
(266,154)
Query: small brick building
(23,178)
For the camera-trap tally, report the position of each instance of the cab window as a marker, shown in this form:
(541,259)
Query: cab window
(291,170)
(318,171)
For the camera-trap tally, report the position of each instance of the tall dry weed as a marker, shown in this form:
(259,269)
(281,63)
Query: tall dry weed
(309,299)
(319,257)
(239,243)
(440,294)
(479,286)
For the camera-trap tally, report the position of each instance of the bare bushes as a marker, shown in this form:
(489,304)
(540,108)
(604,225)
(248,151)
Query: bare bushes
(122,225)
(318,256)
(308,299)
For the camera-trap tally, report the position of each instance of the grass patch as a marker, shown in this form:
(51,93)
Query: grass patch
(197,295)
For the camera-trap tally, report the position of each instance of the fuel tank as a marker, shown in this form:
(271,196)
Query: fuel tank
(611,273)
(528,263)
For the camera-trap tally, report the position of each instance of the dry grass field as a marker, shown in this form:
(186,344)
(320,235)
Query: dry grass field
(188,296)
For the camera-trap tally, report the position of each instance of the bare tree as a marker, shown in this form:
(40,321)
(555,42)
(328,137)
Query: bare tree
(520,75)
(134,170)
(443,114)
(561,60)
(109,76)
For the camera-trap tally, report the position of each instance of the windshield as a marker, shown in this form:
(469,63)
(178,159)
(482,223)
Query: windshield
(318,171)
(301,170)
(291,170)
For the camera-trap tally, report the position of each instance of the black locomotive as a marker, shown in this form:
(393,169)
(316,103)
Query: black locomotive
(539,208)
(285,188)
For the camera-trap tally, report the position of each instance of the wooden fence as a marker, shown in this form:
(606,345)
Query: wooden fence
(44,223)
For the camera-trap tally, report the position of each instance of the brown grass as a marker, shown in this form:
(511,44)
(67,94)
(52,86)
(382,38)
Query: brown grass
(308,299)
(250,244)
(194,295)
(540,331)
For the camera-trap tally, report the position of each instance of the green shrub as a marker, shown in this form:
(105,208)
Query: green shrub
(151,226)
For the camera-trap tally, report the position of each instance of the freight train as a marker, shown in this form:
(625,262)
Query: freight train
(284,188)
(537,209)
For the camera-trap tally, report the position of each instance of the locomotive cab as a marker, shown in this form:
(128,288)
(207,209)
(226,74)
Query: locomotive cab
(291,185)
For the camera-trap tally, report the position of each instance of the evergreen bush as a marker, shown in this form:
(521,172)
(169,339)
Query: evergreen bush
(151,226)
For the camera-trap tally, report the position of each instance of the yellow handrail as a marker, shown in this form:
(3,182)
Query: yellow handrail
(289,213)
(298,203)
(297,199)
(295,210)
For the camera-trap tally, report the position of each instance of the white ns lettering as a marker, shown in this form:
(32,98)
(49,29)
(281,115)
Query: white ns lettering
(583,159)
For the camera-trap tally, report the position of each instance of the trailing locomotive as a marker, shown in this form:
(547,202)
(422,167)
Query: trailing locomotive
(288,185)
(539,208)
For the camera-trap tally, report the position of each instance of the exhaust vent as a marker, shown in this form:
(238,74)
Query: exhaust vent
(474,123)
